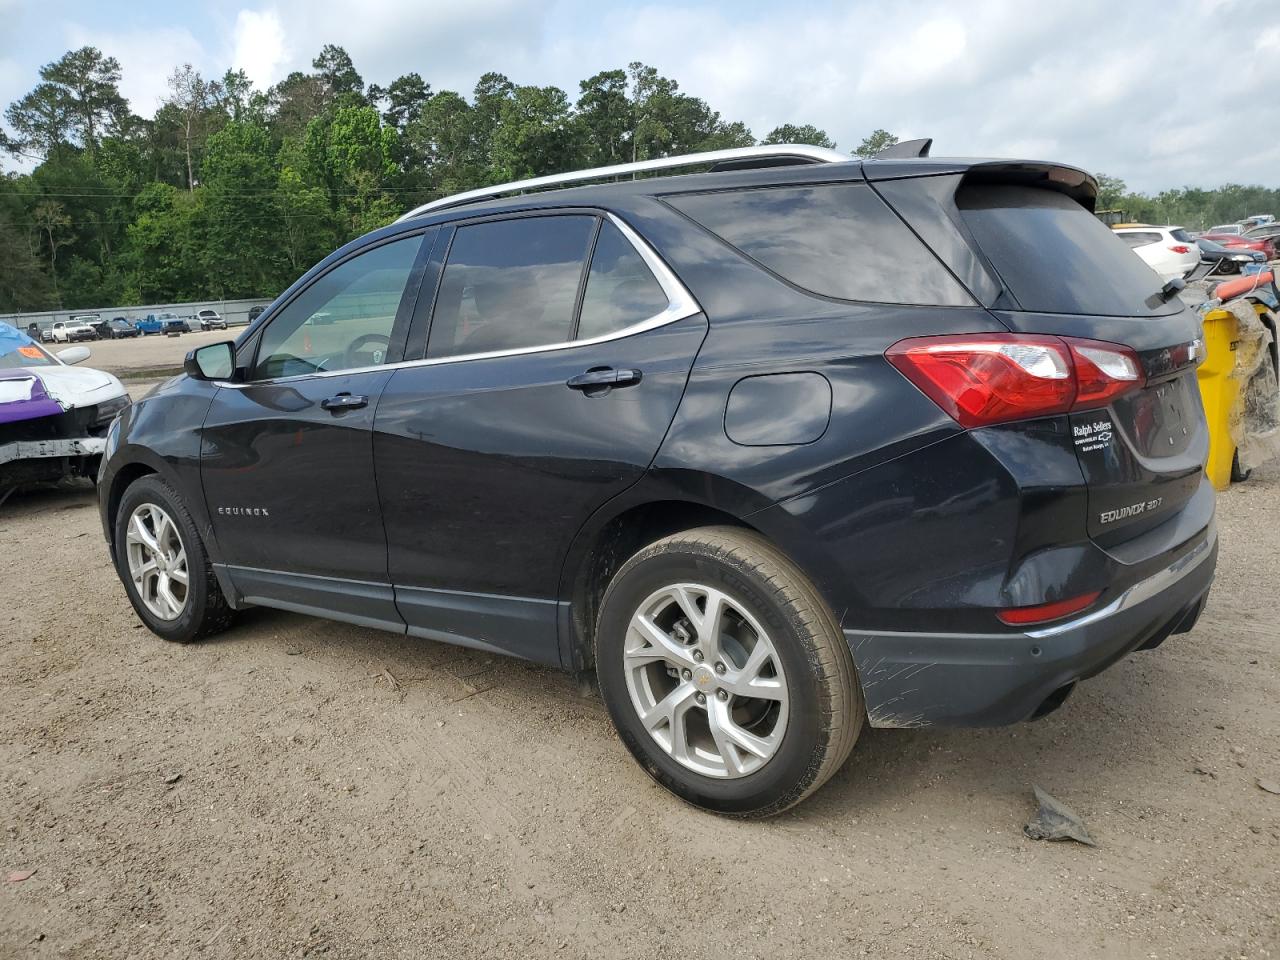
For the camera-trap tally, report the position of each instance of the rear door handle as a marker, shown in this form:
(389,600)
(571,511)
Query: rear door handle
(604,377)
(344,401)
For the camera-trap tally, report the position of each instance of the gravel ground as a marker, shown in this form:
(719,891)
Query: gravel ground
(302,788)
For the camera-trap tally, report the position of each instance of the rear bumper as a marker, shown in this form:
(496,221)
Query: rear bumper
(981,680)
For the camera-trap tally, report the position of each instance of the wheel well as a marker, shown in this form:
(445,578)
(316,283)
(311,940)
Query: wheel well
(615,543)
(119,484)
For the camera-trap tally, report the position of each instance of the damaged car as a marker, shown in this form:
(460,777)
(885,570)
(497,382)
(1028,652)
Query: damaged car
(786,448)
(53,417)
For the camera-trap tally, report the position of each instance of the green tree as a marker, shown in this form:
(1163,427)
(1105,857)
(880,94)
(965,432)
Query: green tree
(877,141)
(337,75)
(161,250)
(24,284)
(50,218)
(355,155)
(1111,191)
(804,133)
(237,215)
(197,102)
(604,112)
(535,134)
(304,217)
(77,101)
(404,100)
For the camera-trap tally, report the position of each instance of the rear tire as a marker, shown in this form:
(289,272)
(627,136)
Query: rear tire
(725,674)
(157,546)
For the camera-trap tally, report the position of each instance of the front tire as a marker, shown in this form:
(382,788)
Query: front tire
(725,674)
(164,567)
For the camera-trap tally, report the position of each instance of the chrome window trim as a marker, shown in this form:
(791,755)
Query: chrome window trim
(680,306)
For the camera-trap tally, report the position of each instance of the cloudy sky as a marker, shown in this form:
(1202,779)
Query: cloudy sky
(1160,92)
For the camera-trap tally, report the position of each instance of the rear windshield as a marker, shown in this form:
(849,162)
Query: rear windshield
(1180,235)
(1055,256)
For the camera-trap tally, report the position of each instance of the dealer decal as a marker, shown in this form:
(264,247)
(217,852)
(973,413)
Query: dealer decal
(1095,435)
(1132,510)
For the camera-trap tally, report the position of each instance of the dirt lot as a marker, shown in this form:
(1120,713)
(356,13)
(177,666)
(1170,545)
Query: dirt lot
(302,788)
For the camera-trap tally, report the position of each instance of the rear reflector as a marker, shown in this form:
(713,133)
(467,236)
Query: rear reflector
(1021,616)
(983,379)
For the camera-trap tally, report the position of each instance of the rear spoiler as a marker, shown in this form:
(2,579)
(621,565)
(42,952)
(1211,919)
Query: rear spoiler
(1074,182)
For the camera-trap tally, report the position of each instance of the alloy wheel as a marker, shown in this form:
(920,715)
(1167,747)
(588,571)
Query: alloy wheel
(706,681)
(157,561)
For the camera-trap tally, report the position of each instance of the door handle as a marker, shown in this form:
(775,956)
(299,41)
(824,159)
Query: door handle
(606,377)
(344,401)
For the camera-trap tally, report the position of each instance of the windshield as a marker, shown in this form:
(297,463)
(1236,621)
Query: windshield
(18,350)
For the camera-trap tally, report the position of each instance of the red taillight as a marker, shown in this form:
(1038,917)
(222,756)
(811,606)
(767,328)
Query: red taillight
(1180,248)
(1021,616)
(993,378)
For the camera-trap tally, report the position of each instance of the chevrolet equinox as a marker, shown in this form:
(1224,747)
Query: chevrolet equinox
(778,447)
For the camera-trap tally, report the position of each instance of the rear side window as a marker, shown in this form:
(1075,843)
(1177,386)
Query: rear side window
(1139,239)
(1181,236)
(1057,257)
(621,291)
(835,240)
(510,284)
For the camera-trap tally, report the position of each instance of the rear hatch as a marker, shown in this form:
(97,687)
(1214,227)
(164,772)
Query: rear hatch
(1065,273)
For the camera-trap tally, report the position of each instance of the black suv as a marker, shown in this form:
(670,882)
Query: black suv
(776,448)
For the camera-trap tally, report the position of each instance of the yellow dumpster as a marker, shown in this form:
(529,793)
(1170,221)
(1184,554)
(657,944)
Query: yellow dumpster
(1238,387)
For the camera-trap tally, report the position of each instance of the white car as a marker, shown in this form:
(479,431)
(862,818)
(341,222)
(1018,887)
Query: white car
(77,328)
(1169,251)
(55,416)
(1236,228)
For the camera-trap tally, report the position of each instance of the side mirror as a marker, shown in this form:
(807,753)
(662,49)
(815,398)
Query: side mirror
(215,361)
(74,355)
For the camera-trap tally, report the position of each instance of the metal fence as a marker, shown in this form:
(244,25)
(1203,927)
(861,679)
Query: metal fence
(233,311)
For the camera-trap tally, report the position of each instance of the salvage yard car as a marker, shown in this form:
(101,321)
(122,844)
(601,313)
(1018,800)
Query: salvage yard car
(1169,251)
(74,330)
(116,329)
(706,436)
(161,323)
(211,320)
(53,417)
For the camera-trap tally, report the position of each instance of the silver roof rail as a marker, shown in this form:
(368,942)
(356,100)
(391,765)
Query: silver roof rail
(802,153)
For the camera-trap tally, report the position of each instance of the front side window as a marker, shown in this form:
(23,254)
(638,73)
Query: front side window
(510,284)
(621,290)
(344,319)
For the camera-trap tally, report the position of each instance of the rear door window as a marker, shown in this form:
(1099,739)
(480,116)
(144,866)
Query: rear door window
(1054,256)
(510,284)
(621,290)
(836,240)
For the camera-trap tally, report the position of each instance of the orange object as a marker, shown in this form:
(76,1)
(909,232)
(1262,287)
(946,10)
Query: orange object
(32,352)
(1233,288)
(306,342)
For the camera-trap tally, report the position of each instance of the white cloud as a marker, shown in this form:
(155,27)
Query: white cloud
(259,46)
(147,58)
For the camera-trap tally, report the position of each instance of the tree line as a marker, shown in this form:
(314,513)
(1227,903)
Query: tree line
(231,192)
